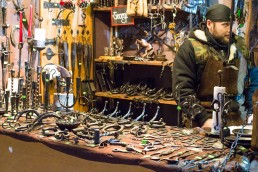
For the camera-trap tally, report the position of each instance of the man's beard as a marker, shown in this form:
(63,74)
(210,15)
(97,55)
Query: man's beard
(221,39)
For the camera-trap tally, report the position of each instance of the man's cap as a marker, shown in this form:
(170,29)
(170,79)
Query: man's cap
(218,13)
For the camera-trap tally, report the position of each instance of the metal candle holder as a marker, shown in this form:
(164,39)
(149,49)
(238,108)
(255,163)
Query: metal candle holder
(6,97)
(39,45)
(37,101)
(30,49)
(20,46)
(68,84)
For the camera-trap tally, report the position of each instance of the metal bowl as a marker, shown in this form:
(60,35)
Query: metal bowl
(246,132)
(67,124)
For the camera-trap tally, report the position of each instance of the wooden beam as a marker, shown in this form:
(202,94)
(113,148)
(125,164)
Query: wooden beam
(254,142)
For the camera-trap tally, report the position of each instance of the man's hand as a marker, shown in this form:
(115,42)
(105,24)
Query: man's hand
(207,124)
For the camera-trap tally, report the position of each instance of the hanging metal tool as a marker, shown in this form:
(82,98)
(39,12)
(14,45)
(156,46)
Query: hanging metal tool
(65,55)
(65,60)
(49,53)
(73,57)
(81,15)
(12,39)
(5,60)
(61,53)
(19,8)
(87,67)
(46,77)
(3,17)
(85,85)
(79,57)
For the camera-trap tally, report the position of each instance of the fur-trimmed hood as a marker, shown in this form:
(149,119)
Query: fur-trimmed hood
(202,34)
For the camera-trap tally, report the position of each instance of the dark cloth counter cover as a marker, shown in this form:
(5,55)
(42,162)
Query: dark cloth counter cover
(169,137)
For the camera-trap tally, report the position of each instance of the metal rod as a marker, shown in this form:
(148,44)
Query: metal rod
(20,46)
(190,21)
(30,50)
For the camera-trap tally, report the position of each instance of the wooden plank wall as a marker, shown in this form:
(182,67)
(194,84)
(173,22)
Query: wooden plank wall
(12,20)
(69,34)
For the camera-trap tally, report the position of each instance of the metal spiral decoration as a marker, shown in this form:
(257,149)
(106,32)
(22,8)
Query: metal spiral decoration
(34,97)
(12,104)
(37,102)
(12,77)
(28,88)
(21,80)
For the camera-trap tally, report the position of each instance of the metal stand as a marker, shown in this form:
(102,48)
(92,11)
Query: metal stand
(20,46)
(68,84)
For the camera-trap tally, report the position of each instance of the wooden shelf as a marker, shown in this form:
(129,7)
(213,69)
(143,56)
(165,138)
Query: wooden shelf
(124,97)
(106,9)
(151,63)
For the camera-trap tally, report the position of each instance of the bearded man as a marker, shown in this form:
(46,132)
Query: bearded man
(200,58)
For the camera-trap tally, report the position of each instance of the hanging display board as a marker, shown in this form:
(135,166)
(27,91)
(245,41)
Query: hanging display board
(119,16)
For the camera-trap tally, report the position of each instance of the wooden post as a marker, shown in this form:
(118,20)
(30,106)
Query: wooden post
(254,143)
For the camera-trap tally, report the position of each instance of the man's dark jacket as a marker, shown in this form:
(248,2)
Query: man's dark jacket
(187,73)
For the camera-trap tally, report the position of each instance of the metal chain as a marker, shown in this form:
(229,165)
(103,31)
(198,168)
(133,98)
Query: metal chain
(232,148)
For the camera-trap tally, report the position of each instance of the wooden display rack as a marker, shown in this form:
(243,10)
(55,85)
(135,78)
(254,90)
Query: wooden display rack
(75,32)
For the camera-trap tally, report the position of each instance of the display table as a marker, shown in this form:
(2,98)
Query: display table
(28,155)
(48,153)
(27,151)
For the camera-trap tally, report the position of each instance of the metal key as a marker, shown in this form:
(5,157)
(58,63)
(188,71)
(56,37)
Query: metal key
(132,148)
(120,150)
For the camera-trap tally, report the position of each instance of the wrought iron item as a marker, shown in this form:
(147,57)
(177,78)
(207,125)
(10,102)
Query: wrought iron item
(61,53)
(65,56)
(67,89)
(68,123)
(115,112)
(52,41)
(40,118)
(60,22)
(6,97)
(18,8)
(46,95)
(48,4)
(245,133)
(113,141)
(79,49)
(73,57)
(120,150)
(20,46)
(3,23)
(49,53)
